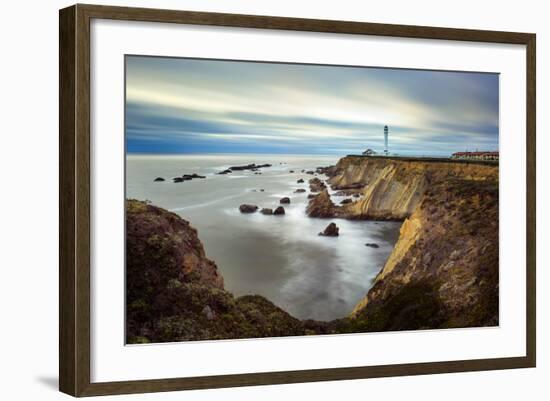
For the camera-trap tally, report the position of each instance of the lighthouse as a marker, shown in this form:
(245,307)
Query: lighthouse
(386,140)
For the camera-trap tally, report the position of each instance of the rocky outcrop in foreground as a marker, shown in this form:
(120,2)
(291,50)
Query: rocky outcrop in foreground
(175,293)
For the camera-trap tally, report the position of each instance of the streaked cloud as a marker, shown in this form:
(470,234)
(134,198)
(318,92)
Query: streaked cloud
(189,105)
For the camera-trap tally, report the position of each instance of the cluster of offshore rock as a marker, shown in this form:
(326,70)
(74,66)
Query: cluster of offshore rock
(256,168)
(318,190)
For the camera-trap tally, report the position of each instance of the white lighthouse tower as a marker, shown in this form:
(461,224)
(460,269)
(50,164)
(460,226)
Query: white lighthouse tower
(386,151)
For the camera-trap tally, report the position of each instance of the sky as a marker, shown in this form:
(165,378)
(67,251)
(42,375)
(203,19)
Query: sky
(178,105)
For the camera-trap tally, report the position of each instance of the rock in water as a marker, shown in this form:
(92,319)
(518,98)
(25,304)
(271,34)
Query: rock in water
(300,181)
(372,245)
(245,208)
(159,179)
(330,231)
(321,206)
(279,211)
(191,176)
(251,166)
(346,201)
(187,177)
(285,200)
(266,210)
(316,185)
(299,191)
(328,171)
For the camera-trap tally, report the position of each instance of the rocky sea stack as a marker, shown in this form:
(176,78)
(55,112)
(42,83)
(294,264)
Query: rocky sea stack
(331,230)
(321,206)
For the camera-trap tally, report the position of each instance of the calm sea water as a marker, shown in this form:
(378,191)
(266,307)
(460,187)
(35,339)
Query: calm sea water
(280,257)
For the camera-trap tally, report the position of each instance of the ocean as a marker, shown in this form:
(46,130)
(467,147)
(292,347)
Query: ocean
(279,257)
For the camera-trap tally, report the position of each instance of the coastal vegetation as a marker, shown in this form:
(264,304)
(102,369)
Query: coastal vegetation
(175,293)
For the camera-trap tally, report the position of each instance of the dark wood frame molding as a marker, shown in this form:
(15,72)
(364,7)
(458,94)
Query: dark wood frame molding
(74,199)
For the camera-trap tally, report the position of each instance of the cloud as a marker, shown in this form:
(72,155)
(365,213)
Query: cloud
(188,105)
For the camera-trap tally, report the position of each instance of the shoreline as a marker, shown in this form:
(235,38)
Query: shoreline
(374,312)
(284,249)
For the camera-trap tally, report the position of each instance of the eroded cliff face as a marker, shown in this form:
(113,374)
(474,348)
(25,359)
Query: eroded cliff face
(391,189)
(443,271)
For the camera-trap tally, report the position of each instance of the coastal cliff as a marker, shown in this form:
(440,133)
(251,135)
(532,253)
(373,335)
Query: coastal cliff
(443,271)
(391,188)
(175,293)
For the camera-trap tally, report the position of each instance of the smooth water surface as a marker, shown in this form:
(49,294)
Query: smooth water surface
(280,257)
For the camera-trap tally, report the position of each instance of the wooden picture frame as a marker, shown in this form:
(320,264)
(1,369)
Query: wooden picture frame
(74,203)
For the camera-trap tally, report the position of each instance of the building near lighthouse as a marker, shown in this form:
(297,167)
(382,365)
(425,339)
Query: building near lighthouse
(490,155)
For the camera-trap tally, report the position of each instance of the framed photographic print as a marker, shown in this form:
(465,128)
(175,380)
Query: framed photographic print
(250,200)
